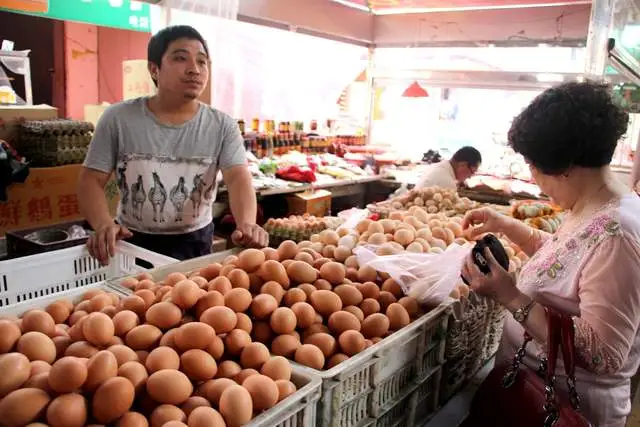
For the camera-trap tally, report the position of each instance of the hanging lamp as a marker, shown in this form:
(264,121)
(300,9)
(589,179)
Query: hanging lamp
(415,91)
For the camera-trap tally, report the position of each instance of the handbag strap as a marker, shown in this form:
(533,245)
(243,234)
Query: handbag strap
(568,344)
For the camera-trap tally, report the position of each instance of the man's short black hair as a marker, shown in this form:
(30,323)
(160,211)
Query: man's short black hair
(468,155)
(572,124)
(160,42)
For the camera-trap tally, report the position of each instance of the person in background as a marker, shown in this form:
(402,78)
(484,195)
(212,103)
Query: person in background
(166,151)
(590,268)
(448,174)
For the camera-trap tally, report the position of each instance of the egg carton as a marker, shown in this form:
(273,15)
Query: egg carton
(361,387)
(297,410)
(48,273)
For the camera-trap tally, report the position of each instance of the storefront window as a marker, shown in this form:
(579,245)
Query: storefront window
(274,74)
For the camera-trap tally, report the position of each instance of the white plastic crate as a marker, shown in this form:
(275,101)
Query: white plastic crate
(22,279)
(298,410)
(359,388)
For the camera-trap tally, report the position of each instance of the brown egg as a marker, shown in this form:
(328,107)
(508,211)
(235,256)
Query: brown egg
(37,346)
(67,410)
(68,374)
(216,348)
(205,417)
(277,368)
(305,314)
(304,257)
(301,272)
(220,284)
(173,278)
(143,337)
(165,413)
(283,321)
(15,369)
(262,332)
(112,399)
(355,311)
(208,300)
(333,272)
(316,328)
(411,305)
(392,286)
(274,289)
(375,325)
(336,359)
(123,354)
(185,294)
(285,389)
(80,349)
(385,300)
(369,306)
(263,391)
(236,406)
(244,322)
(98,329)
(341,321)
(165,315)
(325,302)
(254,355)
(136,373)
(9,335)
(38,367)
(239,279)
(251,259)
(59,311)
(217,387)
(293,296)
(194,402)
(287,249)
(38,321)
(20,407)
(198,365)
(211,271)
(169,386)
(132,419)
(168,339)
(263,305)
(369,290)
(272,270)
(124,321)
(351,342)
(133,303)
(162,358)
(310,355)
(174,423)
(285,345)
(76,316)
(236,341)
(349,295)
(228,369)
(307,288)
(99,302)
(221,319)
(325,342)
(244,374)
(100,368)
(238,299)
(194,335)
(40,381)
(270,254)
(398,316)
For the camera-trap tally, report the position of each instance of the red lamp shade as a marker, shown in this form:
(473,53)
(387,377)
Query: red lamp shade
(415,91)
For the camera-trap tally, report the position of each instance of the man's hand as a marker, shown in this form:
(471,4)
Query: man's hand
(250,235)
(102,243)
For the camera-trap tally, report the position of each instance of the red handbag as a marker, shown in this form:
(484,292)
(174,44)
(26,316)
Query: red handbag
(518,396)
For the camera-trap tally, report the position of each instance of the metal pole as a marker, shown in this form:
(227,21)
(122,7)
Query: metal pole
(600,26)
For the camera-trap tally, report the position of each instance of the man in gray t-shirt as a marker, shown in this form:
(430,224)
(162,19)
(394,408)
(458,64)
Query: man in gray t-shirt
(166,151)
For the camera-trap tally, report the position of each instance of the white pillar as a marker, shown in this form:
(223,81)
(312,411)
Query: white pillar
(600,26)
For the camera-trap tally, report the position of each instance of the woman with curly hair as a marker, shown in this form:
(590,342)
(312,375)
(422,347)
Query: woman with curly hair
(590,268)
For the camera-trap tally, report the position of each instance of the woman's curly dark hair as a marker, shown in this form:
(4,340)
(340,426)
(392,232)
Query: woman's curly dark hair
(573,124)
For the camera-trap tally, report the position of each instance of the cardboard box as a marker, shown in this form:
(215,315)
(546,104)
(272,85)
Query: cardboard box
(48,196)
(316,203)
(12,115)
(136,80)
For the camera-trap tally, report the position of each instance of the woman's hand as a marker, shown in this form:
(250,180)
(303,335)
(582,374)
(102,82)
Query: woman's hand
(498,285)
(481,221)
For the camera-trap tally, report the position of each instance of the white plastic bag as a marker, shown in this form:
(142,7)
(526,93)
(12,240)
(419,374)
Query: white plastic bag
(428,277)
(352,218)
